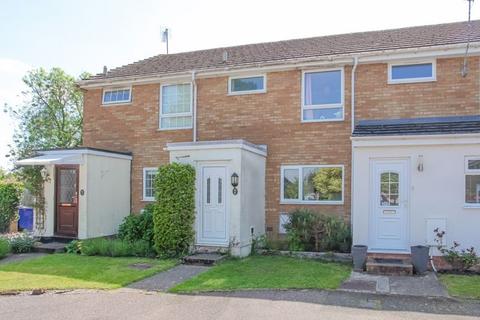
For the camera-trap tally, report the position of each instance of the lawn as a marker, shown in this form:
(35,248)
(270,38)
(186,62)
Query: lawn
(268,272)
(464,286)
(69,271)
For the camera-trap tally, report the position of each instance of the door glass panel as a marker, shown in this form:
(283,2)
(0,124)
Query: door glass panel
(68,185)
(219,190)
(389,186)
(208,190)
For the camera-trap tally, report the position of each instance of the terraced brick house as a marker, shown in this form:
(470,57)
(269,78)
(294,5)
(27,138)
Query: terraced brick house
(390,117)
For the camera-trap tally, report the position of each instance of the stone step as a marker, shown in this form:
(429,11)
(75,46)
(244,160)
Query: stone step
(390,266)
(60,239)
(203,259)
(49,247)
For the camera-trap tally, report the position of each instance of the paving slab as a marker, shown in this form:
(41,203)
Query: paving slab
(167,279)
(421,286)
(21,257)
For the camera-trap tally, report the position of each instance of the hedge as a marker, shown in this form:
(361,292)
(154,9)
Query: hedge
(174,211)
(9,200)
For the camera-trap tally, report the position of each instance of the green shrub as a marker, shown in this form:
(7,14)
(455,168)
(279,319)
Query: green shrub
(310,231)
(142,248)
(137,227)
(95,247)
(119,248)
(73,247)
(9,200)
(21,243)
(174,215)
(4,248)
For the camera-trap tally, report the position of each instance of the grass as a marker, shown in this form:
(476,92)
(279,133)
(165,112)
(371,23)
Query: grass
(69,271)
(463,286)
(268,272)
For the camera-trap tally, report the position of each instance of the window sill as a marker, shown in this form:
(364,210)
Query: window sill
(148,200)
(471,206)
(328,203)
(241,93)
(173,129)
(323,120)
(116,104)
(410,81)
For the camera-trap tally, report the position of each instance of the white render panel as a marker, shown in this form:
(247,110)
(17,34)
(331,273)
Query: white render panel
(437,192)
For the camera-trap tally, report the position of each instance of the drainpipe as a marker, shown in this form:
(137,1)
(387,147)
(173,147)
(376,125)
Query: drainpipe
(194,106)
(352,108)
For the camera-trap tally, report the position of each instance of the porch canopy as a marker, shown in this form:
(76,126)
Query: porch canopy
(68,156)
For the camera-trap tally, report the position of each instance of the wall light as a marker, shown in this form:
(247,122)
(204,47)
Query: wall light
(420,163)
(234,180)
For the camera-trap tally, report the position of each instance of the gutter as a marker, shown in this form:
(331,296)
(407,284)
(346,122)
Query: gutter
(367,56)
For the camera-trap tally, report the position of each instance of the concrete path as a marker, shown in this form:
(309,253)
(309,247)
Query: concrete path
(165,280)
(140,305)
(21,257)
(422,286)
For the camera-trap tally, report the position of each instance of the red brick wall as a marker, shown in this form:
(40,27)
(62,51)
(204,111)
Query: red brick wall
(273,118)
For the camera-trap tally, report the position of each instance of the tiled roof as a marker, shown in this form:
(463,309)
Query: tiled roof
(418,126)
(412,37)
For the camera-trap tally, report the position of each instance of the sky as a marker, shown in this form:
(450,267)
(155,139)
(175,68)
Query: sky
(85,35)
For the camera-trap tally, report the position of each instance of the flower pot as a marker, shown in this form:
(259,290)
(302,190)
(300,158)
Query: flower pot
(359,256)
(420,258)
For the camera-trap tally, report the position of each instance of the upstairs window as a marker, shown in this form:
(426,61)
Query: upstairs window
(472,181)
(322,98)
(148,183)
(315,184)
(116,96)
(176,106)
(415,72)
(246,85)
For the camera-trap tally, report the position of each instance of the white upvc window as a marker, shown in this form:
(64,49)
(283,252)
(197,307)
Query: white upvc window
(420,71)
(472,181)
(247,84)
(323,95)
(148,183)
(176,106)
(312,184)
(117,96)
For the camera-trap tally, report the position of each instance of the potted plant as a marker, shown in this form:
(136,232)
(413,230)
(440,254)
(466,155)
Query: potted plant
(359,255)
(420,258)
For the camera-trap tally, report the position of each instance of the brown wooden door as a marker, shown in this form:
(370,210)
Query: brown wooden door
(67,200)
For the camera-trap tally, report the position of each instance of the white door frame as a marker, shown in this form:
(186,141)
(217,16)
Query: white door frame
(199,217)
(404,204)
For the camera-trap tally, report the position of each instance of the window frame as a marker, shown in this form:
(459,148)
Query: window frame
(300,187)
(144,180)
(236,93)
(469,172)
(412,80)
(110,89)
(174,115)
(324,106)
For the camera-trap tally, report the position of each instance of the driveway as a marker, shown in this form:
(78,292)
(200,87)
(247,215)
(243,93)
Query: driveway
(139,305)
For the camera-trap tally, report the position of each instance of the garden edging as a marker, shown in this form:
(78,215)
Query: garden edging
(329,256)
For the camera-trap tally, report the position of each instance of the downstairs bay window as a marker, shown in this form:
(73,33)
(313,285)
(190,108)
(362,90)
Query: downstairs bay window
(312,184)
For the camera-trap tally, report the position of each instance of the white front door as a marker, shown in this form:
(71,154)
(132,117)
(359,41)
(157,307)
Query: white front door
(389,205)
(213,215)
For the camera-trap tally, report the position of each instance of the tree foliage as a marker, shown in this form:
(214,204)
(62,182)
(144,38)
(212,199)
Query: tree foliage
(9,201)
(174,212)
(328,182)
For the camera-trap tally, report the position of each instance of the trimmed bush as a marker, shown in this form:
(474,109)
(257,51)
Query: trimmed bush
(137,227)
(9,200)
(21,243)
(310,231)
(4,248)
(174,212)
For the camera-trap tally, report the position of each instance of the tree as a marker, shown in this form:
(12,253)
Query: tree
(328,182)
(50,117)
(52,114)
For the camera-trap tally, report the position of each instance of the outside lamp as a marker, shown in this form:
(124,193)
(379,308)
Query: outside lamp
(44,173)
(234,180)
